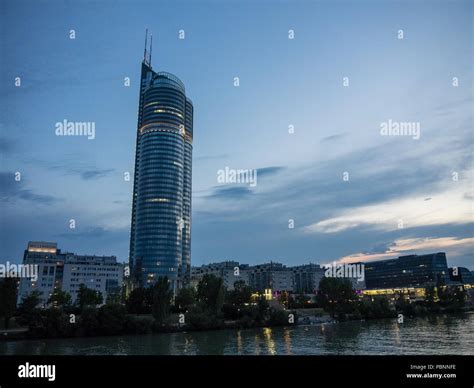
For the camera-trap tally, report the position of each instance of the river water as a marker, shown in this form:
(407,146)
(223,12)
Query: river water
(436,335)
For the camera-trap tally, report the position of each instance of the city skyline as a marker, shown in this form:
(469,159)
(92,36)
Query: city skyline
(58,268)
(281,84)
(221,262)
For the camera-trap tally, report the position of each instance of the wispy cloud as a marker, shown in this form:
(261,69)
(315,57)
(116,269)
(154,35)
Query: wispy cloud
(73,167)
(335,137)
(233,192)
(11,190)
(210,157)
(447,207)
(242,190)
(267,171)
(95,174)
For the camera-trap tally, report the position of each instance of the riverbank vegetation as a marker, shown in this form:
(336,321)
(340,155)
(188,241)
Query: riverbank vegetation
(145,310)
(209,306)
(337,298)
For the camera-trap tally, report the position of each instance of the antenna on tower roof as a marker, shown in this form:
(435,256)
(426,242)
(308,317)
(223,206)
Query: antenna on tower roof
(146,38)
(151,45)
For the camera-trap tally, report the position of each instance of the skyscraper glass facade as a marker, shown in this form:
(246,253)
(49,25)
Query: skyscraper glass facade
(160,241)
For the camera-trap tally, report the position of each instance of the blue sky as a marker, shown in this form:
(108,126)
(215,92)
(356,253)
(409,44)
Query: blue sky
(283,82)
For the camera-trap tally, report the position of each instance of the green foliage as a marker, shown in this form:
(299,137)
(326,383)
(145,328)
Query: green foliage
(7,299)
(240,295)
(28,311)
(405,307)
(257,313)
(376,309)
(231,312)
(186,298)
(455,298)
(111,319)
(205,307)
(210,294)
(292,302)
(301,299)
(262,310)
(452,298)
(430,296)
(55,323)
(284,298)
(89,322)
(200,319)
(139,301)
(87,297)
(114,297)
(60,299)
(138,325)
(336,296)
(161,301)
(236,300)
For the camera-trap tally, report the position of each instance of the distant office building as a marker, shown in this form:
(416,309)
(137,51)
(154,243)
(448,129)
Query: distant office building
(307,277)
(270,276)
(99,273)
(50,264)
(66,271)
(407,271)
(461,275)
(229,271)
(160,240)
(273,276)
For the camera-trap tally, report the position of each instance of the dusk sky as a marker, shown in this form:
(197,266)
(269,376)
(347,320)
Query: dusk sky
(284,82)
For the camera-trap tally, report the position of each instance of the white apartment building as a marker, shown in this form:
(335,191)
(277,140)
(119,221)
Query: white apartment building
(67,271)
(229,271)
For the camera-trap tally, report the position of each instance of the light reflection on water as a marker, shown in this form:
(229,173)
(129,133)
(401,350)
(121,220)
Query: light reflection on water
(239,342)
(267,333)
(434,335)
(287,340)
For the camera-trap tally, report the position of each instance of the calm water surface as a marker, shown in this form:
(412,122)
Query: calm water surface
(436,335)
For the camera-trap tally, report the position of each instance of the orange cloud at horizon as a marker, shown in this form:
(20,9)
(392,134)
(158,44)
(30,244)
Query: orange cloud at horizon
(407,246)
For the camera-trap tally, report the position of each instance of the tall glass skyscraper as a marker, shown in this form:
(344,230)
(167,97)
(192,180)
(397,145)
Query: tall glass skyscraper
(160,241)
